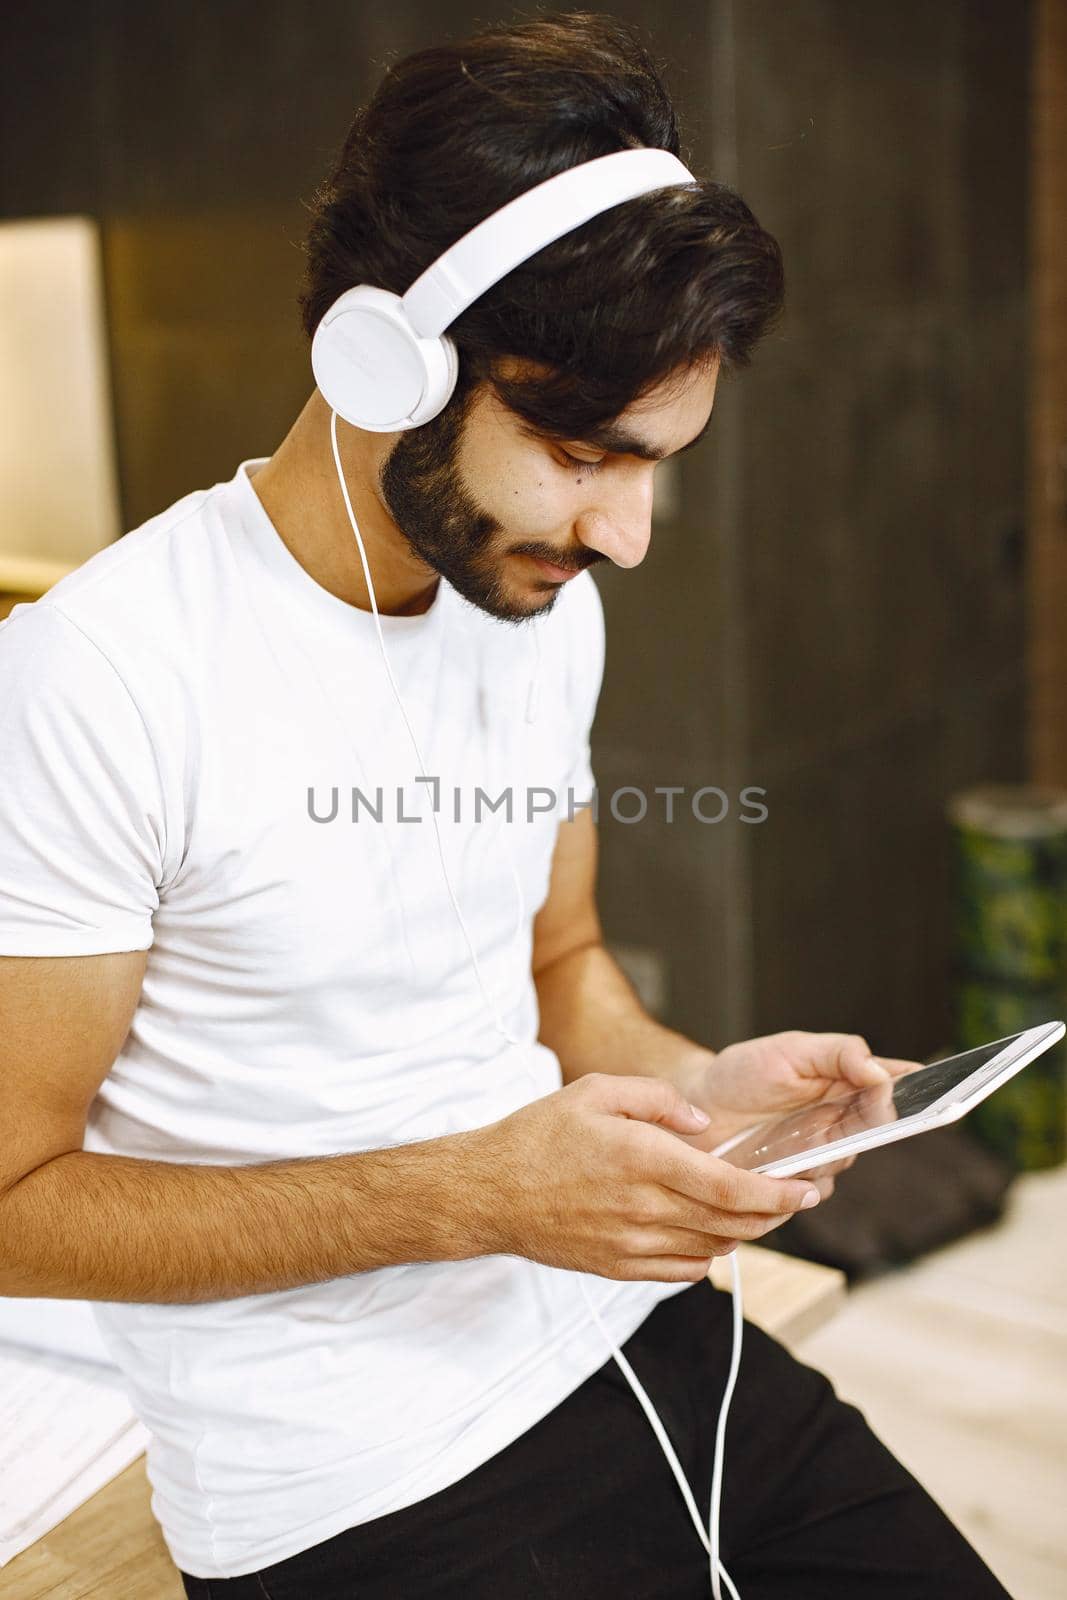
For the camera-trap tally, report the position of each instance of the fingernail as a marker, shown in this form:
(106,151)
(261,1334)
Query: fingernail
(878,1067)
(810,1199)
(701,1116)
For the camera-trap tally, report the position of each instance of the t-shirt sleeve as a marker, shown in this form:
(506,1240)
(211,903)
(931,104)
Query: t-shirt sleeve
(587,674)
(82,828)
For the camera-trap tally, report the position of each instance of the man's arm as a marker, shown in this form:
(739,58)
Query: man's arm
(75,1224)
(590,1014)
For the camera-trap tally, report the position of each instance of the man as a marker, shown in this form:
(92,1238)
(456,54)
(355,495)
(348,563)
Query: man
(255,1107)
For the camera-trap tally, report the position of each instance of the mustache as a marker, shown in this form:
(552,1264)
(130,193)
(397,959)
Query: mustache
(566,564)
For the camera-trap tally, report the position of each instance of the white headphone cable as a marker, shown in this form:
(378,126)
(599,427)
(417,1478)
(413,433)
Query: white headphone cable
(709,1540)
(711,1544)
(497,1021)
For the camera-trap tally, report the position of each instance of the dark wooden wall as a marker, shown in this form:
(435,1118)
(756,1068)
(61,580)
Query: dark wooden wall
(835,613)
(838,615)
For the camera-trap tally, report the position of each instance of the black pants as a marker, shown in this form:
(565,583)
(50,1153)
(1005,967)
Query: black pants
(584,1506)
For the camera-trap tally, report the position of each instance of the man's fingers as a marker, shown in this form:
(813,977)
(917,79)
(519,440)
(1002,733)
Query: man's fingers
(732,1189)
(711,1238)
(843,1056)
(692,1242)
(710,1225)
(875,1069)
(897,1068)
(651,1100)
(857,1065)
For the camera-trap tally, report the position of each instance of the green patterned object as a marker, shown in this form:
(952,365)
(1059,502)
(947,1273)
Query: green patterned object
(1010,955)
(1010,859)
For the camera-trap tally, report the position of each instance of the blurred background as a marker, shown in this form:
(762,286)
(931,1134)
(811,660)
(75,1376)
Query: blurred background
(855,591)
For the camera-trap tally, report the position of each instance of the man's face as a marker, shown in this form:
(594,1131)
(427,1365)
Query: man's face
(484,500)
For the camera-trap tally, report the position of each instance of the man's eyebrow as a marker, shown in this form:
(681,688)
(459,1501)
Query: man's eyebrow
(619,441)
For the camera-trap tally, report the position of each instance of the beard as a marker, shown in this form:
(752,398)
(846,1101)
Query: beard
(443,524)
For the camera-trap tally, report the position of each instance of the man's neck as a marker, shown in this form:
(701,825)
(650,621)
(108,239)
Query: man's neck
(299,491)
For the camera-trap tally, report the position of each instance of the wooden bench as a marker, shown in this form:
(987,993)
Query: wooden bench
(111,1548)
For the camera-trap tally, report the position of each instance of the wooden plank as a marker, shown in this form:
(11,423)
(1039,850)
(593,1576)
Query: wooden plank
(111,1546)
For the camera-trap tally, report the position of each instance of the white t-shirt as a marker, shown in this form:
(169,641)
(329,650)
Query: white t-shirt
(165,711)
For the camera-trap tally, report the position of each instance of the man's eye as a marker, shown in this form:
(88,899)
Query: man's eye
(575,464)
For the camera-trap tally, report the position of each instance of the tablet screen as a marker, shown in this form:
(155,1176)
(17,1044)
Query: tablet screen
(842,1115)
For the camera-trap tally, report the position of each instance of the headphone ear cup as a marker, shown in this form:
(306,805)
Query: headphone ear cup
(372,368)
(443,372)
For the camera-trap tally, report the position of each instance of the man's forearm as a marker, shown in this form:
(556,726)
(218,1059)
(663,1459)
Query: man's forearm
(593,1020)
(100,1227)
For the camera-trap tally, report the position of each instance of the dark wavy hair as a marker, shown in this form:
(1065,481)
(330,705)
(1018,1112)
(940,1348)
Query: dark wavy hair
(652,287)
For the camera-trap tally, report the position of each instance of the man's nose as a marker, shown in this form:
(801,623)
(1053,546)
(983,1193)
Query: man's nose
(620,528)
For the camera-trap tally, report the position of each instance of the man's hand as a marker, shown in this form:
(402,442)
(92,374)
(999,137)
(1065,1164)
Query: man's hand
(757,1079)
(748,1082)
(594,1178)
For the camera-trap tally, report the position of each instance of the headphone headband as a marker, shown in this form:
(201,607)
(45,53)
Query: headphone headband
(526,225)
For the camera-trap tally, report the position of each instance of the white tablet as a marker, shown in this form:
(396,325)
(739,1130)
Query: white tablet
(858,1119)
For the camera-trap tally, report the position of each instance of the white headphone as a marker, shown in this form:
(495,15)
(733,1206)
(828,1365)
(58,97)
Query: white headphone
(382,361)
